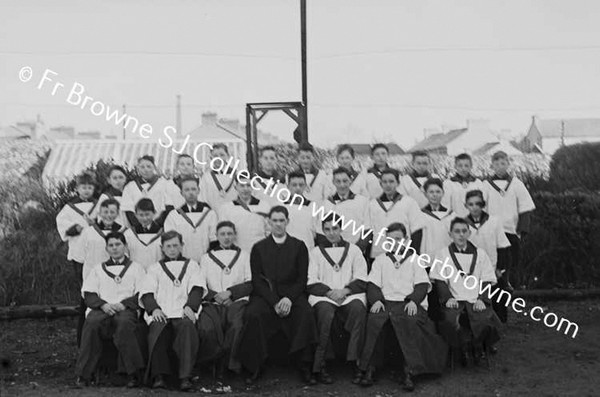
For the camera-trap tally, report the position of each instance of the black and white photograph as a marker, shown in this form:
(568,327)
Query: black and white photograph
(300,197)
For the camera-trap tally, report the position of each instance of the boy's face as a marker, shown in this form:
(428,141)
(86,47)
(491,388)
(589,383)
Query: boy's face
(460,233)
(226,236)
(278,223)
(332,232)
(474,205)
(380,156)
(145,169)
(421,164)
(388,183)
(190,191)
(305,159)
(144,217)
(244,189)
(117,180)
(434,194)
(115,248)
(220,153)
(463,167)
(297,185)
(109,214)
(185,166)
(500,166)
(268,161)
(85,191)
(397,236)
(342,183)
(345,159)
(172,248)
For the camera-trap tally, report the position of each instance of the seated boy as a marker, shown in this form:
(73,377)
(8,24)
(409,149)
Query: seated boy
(226,269)
(111,296)
(397,294)
(143,239)
(171,295)
(468,319)
(337,281)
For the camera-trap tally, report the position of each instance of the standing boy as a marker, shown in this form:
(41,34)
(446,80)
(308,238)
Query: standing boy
(171,295)
(143,239)
(185,169)
(316,180)
(412,183)
(111,297)
(337,281)
(267,164)
(379,155)
(226,269)
(302,222)
(216,188)
(194,220)
(459,184)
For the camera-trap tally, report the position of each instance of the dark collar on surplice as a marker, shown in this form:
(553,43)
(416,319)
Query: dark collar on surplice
(414,175)
(305,202)
(126,262)
(508,178)
(482,220)
(275,243)
(427,210)
(378,172)
(139,181)
(385,199)
(154,228)
(353,173)
(113,192)
(313,171)
(224,267)
(469,250)
(78,200)
(115,227)
(213,175)
(338,265)
(328,244)
(163,265)
(460,179)
(335,199)
(198,207)
(395,261)
(232,247)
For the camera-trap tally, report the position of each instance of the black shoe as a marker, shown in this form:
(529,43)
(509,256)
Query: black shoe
(308,376)
(133,381)
(252,379)
(408,384)
(358,375)
(159,382)
(324,376)
(81,382)
(493,350)
(369,378)
(185,385)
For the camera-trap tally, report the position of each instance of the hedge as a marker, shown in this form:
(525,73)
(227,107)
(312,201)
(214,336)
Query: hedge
(576,167)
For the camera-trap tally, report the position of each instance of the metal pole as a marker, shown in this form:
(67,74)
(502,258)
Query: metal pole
(178,116)
(124,128)
(304,125)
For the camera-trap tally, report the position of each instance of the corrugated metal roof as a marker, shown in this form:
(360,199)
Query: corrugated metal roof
(69,157)
(437,141)
(576,128)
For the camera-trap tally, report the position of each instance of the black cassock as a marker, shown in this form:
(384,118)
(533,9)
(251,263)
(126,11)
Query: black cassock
(278,271)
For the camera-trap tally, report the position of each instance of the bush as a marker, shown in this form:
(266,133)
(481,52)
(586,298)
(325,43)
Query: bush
(576,167)
(562,248)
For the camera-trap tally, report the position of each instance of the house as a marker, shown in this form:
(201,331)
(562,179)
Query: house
(364,149)
(213,129)
(477,137)
(547,135)
(12,132)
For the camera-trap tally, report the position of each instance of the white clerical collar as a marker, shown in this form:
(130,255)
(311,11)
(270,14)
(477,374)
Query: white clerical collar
(279,240)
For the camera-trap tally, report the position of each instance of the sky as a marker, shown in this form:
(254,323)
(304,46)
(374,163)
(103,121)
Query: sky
(377,69)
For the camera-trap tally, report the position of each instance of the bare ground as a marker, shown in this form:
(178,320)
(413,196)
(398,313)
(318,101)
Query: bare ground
(533,360)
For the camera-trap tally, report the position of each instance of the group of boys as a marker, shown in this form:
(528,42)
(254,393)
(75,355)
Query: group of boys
(218,268)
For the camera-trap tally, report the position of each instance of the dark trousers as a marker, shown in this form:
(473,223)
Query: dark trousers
(350,317)
(177,339)
(78,271)
(500,307)
(122,329)
(463,325)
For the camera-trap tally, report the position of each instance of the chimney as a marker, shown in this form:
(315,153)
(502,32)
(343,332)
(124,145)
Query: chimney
(209,118)
(232,125)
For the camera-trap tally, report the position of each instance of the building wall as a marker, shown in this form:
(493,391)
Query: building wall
(470,141)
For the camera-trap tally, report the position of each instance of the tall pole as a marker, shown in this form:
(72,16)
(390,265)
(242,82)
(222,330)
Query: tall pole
(178,115)
(304,126)
(124,125)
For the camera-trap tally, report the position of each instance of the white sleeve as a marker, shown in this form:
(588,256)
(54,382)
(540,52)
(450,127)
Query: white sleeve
(313,267)
(170,223)
(91,283)
(359,265)
(127,200)
(486,272)
(501,239)
(79,250)
(524,200)
(376,274)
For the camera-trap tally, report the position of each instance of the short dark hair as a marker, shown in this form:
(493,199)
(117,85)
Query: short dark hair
(391,171)
(463,156)
(457,221)
(474,193)
(341,170)
(220,145)
(433,181)
(419,153)
(343,148)
(280,209)
(268,148)
(183,156)
(116,168)
(85,178)
(331,217)
(110,201)
(306,147)
(171,234)
(145,204)
(499,155)
(379,146)
(296,174)
(394,227)
(118,235)
(147,157)
(226,224)
(188,178)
